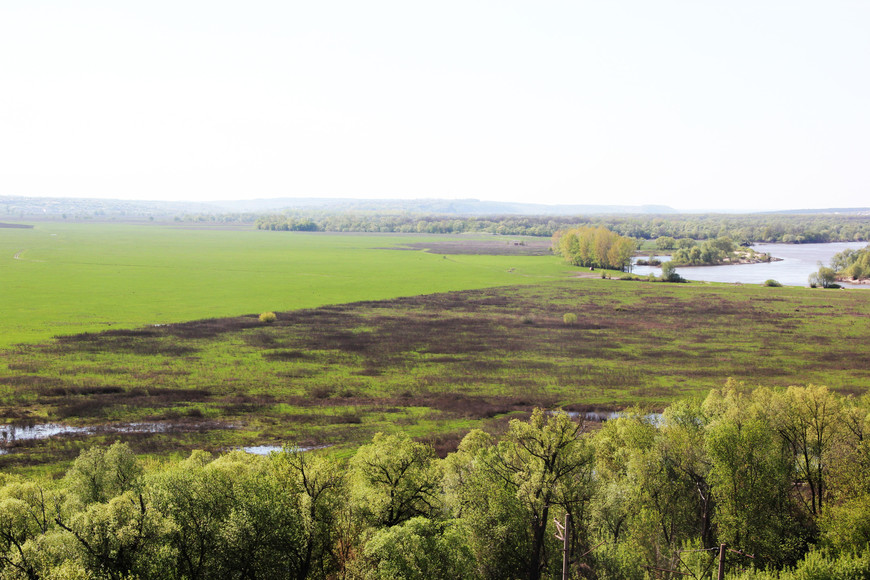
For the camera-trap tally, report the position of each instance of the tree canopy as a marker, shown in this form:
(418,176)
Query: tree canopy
(594,247)
(777,474)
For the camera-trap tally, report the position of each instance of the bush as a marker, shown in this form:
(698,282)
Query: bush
(772,283)
(527,319)
(569,318)
(825,277)
(669,273)
(268,317)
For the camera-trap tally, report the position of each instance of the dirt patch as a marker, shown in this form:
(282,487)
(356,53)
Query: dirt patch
(497,247)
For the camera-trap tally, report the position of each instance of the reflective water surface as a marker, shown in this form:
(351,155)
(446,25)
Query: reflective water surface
(11,433)
(798,262)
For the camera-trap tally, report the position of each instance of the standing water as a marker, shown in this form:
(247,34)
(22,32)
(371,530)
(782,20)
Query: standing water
(797,262)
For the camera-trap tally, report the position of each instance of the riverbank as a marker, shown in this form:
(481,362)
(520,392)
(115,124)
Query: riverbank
(797,262)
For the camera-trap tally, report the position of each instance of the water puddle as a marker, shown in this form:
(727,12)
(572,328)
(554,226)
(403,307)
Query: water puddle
(267,449)
(12,433)
(9,434)
(656,419)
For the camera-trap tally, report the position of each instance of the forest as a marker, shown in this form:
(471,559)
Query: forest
(781,477)
(741,228)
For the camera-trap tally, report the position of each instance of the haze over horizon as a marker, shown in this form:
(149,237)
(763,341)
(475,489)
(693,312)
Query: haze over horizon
(744,105)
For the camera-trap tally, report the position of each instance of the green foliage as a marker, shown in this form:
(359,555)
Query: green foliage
(645,492)
(594,247)
(743,227)
(853,264)
(824,277)
(569,318)
(715,251)
(846,526)
(669,273)
(395,479)
(122,537)
(321,488)
(817,565)
(420,549)
(539,465)
(268,317)
(99,474)
(772,284)
(488,508)
(665,243)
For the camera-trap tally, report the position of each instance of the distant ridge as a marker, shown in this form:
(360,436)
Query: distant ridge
(117,208)
(439,206)
(831,210)
(15,207)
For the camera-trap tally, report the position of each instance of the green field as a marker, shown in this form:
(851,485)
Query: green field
(433,365)
(66,278)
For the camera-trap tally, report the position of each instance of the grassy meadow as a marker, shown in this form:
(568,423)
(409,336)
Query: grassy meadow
(433,365)
(66,278)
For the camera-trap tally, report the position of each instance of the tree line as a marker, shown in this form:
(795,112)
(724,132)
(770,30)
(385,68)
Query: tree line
(782,477)
(852,264)
(743,228)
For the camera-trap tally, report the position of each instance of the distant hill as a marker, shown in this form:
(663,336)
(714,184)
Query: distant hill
(437,206)
(16,207)
(833,210)
(13,206)
(76,208)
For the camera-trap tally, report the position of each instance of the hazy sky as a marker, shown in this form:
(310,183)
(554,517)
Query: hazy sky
(695,104)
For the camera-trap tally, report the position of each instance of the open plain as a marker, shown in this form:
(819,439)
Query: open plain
(371,339)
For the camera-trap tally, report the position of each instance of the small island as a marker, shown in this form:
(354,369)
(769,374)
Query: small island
(714,252)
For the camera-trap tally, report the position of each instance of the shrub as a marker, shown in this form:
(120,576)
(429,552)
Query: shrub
(669,273)
(527,319)
(268,317)
(825,277)
(772,283)
(569,318)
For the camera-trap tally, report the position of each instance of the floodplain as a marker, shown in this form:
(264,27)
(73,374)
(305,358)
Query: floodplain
(396,346)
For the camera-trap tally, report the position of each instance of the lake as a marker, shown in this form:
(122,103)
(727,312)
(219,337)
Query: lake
(798,262)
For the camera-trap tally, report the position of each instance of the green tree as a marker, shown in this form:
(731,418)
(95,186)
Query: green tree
(99,474)
(121,538)
(669,273)
(488,508)
(395,479)
(824,277)
(665,243)
(539,466)
(319,484)
(420,549)
(26,514)
(198,500)
(751,477)
(808,420)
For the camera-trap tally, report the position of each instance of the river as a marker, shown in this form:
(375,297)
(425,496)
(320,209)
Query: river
(798,262)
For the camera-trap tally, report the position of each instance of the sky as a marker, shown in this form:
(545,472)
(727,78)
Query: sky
(744,104)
